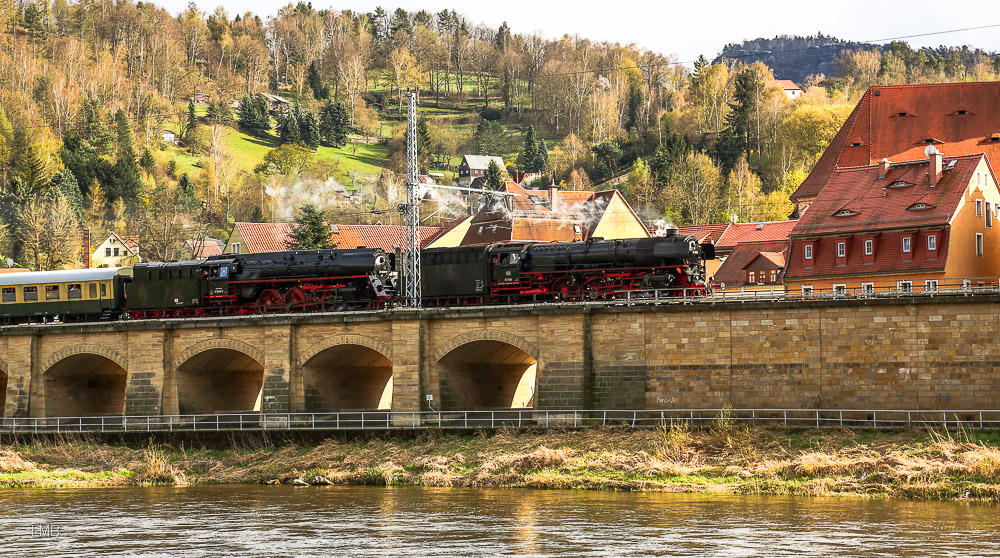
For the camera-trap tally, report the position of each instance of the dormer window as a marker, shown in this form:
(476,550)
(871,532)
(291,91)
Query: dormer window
(845,213)
(920,206)
(903,114)
(857,144)
(961,112)
(900,184)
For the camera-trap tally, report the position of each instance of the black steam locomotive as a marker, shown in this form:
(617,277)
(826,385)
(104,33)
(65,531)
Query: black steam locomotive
(363,278)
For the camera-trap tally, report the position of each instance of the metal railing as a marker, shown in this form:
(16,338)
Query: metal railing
(491,419)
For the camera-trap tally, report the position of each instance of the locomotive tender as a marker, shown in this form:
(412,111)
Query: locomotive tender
(361,278)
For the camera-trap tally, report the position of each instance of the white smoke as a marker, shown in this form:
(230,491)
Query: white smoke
(662,227)
(289,197)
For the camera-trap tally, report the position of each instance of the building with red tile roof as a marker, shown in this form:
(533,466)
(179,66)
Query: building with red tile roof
(727,236)
(899,122)
(753,266)
(788,86)
(254,238)
(196,249)
(904,225)
(115,251)
(550,215)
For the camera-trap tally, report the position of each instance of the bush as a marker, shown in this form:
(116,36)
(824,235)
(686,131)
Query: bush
(492,113)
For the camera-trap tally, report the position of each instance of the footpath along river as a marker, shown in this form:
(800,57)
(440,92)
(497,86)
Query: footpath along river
(243,521)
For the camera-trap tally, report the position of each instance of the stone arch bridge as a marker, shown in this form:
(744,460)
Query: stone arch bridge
(934,353)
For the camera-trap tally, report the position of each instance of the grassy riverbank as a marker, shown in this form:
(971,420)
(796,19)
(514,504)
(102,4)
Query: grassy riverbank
(727,458)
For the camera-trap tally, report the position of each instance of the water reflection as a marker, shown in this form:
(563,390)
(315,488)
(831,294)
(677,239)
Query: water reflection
(360,521)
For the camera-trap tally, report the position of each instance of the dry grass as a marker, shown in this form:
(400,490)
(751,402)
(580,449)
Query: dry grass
(729,457)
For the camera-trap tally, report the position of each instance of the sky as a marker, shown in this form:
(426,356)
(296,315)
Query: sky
(688,29)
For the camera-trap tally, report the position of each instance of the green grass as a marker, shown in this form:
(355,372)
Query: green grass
(369,159)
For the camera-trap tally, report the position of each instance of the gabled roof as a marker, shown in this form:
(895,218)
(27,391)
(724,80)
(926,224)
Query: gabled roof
(860,199)
(961,118)
(732,272)
(131,242)
(205,247)
(786,84)
(482,162)
(728,235)
(386,237)
(263,237)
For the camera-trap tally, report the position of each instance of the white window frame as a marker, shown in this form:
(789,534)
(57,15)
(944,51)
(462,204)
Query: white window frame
(235,249)
(989,217)
(931,285)
(869,247)
(751,277)
(807,251)
(904,286)
(979,205)
(907,245)
(868,288)
(841,249)
(979,245)
(932,243)
(807,290)
(840,289)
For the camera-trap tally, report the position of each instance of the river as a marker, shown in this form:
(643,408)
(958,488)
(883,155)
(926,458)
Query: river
(243,521)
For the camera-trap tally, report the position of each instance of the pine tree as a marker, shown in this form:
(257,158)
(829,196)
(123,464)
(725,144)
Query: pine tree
(192,121)
(64,185)
(124,183)
(494,176)
(343,119)
(309,130)
(316,82)
(335,123)
(254,116)
(309,231)
(289,130)
(529,153)
(735,140)
(542,157)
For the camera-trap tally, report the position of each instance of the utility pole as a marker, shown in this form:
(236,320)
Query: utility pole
(411,210)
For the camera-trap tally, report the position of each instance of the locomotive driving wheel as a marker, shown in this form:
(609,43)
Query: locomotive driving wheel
(268,299)
(295,299)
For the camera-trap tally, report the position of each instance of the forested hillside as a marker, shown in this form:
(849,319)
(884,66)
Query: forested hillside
(121,116)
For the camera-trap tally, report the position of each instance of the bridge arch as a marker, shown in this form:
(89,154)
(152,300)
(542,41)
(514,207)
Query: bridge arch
(219,376)
(346,372)
(84,380)
(486,369)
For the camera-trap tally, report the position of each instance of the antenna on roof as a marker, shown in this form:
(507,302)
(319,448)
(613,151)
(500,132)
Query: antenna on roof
(930,150)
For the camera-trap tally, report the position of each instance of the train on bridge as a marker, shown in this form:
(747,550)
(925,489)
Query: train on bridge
(361,278)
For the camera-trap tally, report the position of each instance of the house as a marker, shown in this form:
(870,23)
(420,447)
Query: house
(116,251)
(255,238)
(754,266)
(475,165)
(195,249)
(200,98)
(924,224)
(791,90)
(279,105)
(898,122)
(168,136)
(726,237)
(545,216)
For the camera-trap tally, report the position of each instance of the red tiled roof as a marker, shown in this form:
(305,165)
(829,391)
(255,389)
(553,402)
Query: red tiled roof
(738,233)
(732,271)
(776,258)
(263,237)
(207,247)
(704,233)
(936,114)
(386,237)
(876,205)
(783,83)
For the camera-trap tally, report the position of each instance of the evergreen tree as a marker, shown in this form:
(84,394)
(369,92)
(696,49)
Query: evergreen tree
(124,181)
(189,197)
(494,176)
(64,185)
(79,158)
(542,157)
(316,82)
(736,139)
(309,130)
(401,22)
(335,123)
(309,230)
(253,114)
(289,130)
(529,153)
(192,121)
(490,138)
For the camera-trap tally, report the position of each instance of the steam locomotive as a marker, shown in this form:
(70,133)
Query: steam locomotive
(362,278)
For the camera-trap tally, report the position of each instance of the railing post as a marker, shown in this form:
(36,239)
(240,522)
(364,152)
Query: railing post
(841,419)
(817,419)
(980,420)
(147,423)
(362,421)
(909,423)
(875,420)
(604,420)
(492,419)
(465,414)
(102,423)
(784,414)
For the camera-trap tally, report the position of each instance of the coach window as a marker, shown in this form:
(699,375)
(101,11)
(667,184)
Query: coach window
(9,294)
(30,294)
(74,292)
(51,292)
(104,290)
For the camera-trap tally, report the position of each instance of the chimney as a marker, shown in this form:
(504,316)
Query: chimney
(552,198)
(936,162)
(86,248)
(884,166)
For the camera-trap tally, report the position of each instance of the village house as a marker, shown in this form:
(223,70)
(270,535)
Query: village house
(473,166)
(899,226)
(256,238)
(196,249)
(791,90)
(898,122)
(754,266)
(278,105)
(727,236)
(544,216)
(168,136)
(200,98)
(116,251)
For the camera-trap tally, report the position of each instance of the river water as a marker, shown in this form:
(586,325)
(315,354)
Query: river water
(243,521)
